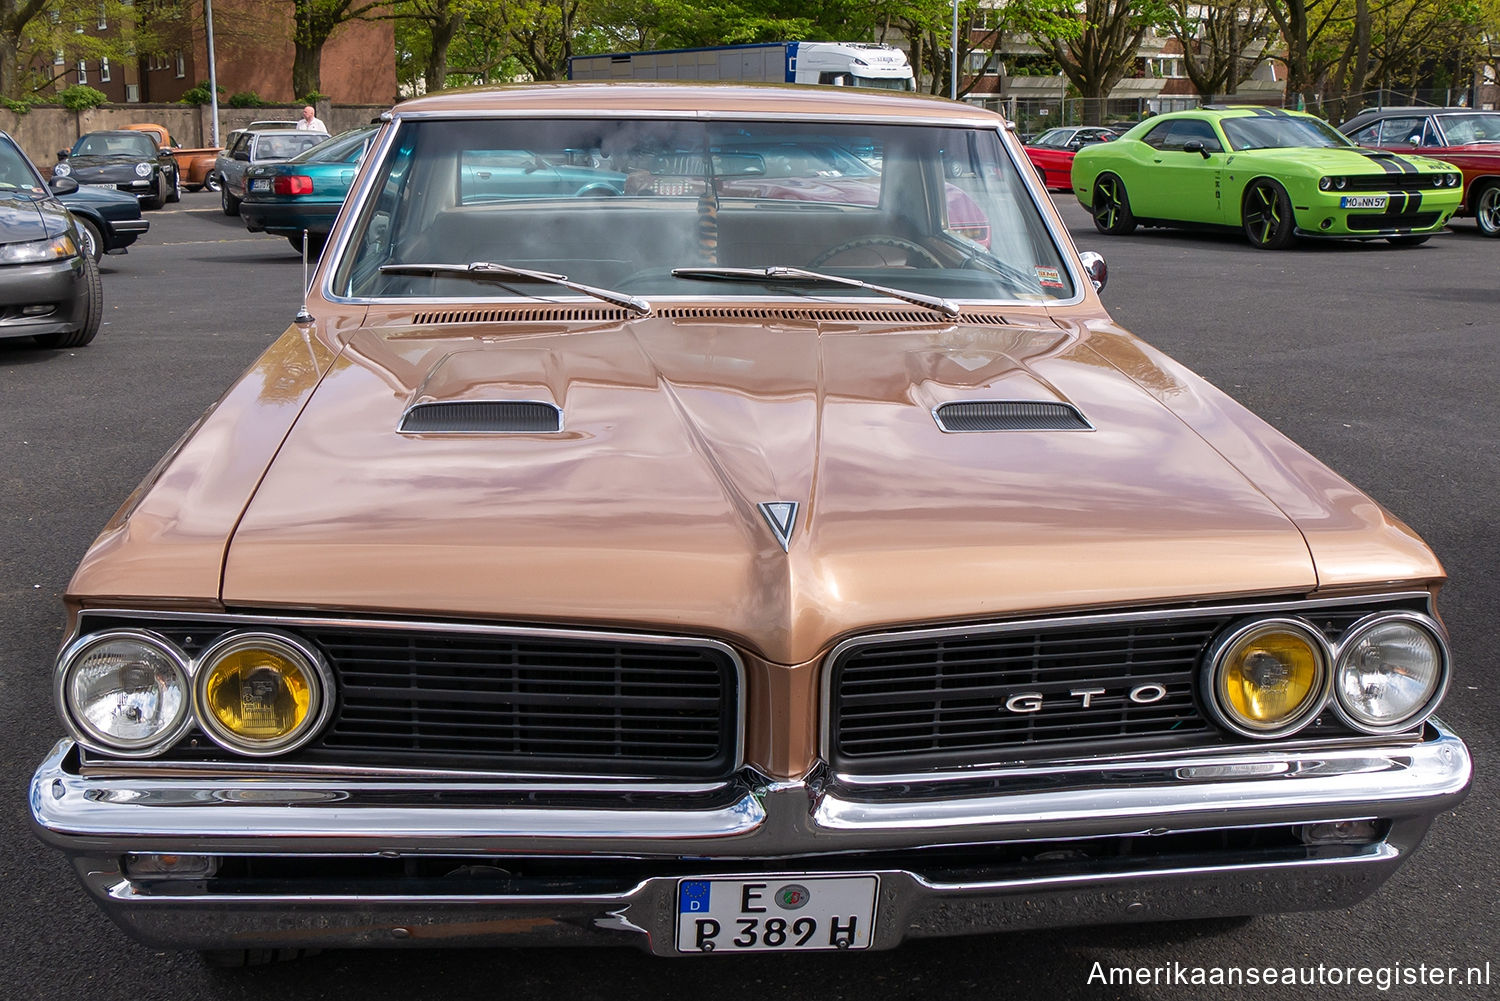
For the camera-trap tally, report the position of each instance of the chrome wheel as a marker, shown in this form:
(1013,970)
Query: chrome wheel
(1487,210)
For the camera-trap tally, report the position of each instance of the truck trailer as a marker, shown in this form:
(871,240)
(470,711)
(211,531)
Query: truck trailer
(840,64)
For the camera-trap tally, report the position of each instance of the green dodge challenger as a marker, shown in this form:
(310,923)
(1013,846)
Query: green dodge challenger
(1278,175)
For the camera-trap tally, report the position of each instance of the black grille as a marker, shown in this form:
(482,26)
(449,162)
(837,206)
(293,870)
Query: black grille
(492,700)
(1392,182)
(1369,221)
(961,698)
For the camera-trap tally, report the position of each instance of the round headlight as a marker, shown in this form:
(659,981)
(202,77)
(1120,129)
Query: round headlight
(1453,180)
(1340,182)
(62,170)
(261,693)
(1439,180)
(143,170)
(126,691)
(1268,678)
(1391,672)
(1324,183)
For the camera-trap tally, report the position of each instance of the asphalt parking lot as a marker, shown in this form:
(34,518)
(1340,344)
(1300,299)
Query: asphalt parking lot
(1381,361)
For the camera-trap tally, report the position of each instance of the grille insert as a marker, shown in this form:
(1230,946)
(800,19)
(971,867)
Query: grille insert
(483,417)
(1000,415)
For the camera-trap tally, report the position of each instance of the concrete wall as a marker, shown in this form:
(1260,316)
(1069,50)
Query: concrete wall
(46,129)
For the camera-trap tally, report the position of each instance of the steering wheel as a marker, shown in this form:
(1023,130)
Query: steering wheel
(875,256)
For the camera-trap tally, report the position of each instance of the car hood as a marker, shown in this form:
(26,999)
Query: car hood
(24,218)
(1346,161)
(645,509)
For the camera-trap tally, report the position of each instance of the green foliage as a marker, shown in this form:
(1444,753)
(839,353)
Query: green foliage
(198,94)
(81,98)
(312,97)
(21,105)
(245,99)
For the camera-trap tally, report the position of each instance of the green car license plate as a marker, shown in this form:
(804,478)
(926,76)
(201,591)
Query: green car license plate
(776,914)
(260,184)
(1362,202)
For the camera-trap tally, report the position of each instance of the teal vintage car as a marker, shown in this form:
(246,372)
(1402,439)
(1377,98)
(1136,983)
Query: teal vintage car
(1277,175)
(305,192)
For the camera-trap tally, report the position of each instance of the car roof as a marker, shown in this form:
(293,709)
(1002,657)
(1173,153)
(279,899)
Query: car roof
(733,99)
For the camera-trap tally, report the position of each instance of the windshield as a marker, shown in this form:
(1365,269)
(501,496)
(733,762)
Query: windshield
(15,171)
(346,147)
(620,204)
(1479,127)
(884,82)
(1280,132)
(284,147)
(115,144)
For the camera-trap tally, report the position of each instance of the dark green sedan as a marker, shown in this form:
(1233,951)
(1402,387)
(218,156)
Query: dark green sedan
(305,192)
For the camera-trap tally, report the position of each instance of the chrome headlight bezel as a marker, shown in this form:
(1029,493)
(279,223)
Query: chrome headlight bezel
(1427,707)
(313,666)
(143,169)
(61,170)
(95,740)
(1212,675)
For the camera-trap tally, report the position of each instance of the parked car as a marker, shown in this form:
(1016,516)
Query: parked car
(194,164)
(1051,153)
(108,221)
(1468,139)
(655,569)
(129,161)
(305,192)
(1275,175)
(250,146)
(49,286)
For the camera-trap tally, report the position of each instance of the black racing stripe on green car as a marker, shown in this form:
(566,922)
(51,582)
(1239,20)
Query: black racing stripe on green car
(1384,159)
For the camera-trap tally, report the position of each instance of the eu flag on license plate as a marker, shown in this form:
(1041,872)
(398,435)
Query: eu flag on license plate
(692,896)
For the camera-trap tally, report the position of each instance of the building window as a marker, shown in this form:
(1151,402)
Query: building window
(103,18)
(181,65)
(58,58)
(83,71)
(104,69)
(132,92)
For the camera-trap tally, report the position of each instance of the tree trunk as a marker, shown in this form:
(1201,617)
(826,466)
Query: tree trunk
(437,59)
(10,77)
(307,70)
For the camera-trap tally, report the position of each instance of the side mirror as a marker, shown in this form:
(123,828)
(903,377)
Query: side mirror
(242,155)
(1196,146)
(60,185)
(62,154)
(1095,268)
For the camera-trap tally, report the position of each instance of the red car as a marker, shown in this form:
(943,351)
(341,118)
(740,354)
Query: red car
(1468,139)
(1052,152)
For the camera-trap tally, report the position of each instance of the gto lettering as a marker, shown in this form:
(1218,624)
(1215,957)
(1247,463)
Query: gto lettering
(1031,702)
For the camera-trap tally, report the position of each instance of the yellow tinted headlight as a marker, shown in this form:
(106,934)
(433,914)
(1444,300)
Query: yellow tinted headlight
(261,693)
(1269,678)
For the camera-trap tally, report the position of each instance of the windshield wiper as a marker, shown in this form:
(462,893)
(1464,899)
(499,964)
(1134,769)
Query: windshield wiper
(488,271)
(781,273)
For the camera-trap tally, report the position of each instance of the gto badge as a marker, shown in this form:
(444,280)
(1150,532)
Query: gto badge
(782,517)
(1031,702)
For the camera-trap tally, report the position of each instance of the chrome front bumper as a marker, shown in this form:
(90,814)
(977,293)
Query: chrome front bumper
(1027,847)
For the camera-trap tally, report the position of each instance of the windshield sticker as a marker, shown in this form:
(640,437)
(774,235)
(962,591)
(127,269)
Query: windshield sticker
(1049,277)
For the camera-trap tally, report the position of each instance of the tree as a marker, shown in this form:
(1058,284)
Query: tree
(1104,51)
(1214,37)
(33,31)
(314,21)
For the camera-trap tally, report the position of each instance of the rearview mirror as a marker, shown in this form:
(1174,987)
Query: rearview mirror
(60,185)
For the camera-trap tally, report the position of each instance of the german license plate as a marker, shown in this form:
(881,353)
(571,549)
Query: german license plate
(776,914)
(260,184)
(1362,202)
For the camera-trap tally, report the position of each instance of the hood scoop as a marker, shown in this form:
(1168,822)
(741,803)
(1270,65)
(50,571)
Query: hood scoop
(1004,415)
(482,417)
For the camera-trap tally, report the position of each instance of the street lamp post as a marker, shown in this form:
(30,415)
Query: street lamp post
(213,72)
(952,56)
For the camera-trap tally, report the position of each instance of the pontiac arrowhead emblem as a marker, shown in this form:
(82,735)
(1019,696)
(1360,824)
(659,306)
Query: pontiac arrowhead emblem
(782,517)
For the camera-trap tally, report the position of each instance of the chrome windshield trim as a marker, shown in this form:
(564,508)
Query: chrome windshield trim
(294,621)
(825,684)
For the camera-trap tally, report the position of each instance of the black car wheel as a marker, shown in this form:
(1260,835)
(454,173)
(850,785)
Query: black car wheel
(1486,203)
(227,202)
(1112,215)
(1267,214)
(85,333)
(157,200)
(211,181)
(93,240)
(175,194)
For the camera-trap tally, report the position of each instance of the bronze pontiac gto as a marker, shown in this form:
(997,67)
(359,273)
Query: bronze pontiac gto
(714,566)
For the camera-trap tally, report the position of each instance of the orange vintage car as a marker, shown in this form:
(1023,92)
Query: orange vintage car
(708,569)
(194,165)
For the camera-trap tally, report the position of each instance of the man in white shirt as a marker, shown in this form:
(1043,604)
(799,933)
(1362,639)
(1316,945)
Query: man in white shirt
(310,121)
